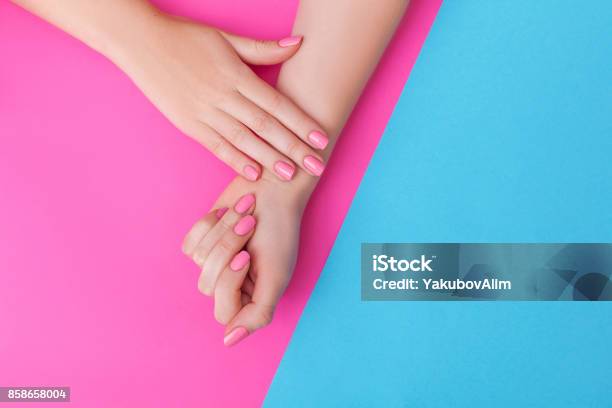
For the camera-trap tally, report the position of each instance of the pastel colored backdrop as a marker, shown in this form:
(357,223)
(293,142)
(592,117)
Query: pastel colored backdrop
(502,134)
(96,192)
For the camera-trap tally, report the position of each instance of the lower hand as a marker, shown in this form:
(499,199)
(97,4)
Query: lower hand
(272,247)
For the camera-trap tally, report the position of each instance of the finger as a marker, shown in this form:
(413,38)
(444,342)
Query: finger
(262,52)
(259,312)
(245,205)
(248,286)
(272,131)
(200,229)
(228,293)
(245,299)
(221,254)
(224,151)
(283,109)
(244,139)
(250,318)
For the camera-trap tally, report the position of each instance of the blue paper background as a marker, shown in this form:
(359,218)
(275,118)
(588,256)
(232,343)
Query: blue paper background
(503,134)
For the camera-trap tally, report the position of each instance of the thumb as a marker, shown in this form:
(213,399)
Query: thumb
(259,312)
(262,52)
(250,318)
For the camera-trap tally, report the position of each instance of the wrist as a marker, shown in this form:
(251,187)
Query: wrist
(125,39)
(295,193)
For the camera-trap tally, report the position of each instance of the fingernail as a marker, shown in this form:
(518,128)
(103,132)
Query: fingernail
(235,336)
(284,170)
(245,225)
(250,172)
(245,202)
(240,260)
(290,41)
(220,212)
(318,139)
(314,165)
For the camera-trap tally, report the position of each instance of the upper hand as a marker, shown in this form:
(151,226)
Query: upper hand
(198,77)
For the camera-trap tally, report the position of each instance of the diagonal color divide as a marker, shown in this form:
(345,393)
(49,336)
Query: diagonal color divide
(502,134)
(97,190)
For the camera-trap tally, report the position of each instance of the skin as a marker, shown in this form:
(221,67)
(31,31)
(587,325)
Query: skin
(198,77)
(325,77)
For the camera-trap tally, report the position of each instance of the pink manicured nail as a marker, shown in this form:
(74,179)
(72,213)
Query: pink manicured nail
(314,165)
(318,139)
(290,41)
(220,212)
(240,260)
(284,170)
(245,202)
(245,225)
(250,172)
(235,336)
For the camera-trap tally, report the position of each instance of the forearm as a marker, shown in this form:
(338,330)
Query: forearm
(108,26)
(343,42)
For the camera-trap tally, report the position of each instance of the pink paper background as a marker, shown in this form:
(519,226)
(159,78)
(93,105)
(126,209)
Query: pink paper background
(96,192)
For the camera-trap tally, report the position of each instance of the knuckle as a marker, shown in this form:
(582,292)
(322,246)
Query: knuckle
(276,102)
(188,244)
(304,124)
(198,257)
(237,135)
(243,74)
(225,245)
(262,122)
(203,288)
(222,150)
(213,97)
(217,147)
(227,223)
(265,316)
(221,317)
(260,45)
(294,148)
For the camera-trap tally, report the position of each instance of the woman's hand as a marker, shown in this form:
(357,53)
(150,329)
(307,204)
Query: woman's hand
(198,77)
(272,247)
